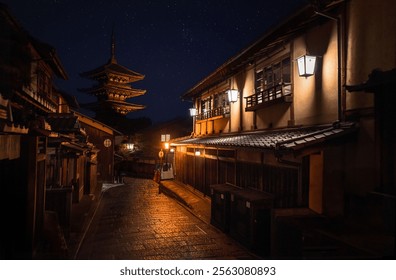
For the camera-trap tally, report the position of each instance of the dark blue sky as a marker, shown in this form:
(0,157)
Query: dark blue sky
(175,44)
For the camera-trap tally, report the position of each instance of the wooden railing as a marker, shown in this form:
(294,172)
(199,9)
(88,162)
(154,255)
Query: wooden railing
(268,96)
(220,111)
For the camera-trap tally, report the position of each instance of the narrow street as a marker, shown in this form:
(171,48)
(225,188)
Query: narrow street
(134,221)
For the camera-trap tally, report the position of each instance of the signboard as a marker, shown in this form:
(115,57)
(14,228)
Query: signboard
(165,137)
(107,143)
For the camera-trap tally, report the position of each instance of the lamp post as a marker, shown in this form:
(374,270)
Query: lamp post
(166,146)
(164,139)
(157,172)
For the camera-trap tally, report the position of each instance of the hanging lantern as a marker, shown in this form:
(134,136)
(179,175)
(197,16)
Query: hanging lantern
(232,95)
(129,146)
(306,65)
(193,112)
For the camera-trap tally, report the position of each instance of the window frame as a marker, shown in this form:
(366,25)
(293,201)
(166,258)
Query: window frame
(268,77)
(272,83)
(215,105)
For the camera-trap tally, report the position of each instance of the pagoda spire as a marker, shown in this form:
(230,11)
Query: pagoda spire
(113,59)
(113,87)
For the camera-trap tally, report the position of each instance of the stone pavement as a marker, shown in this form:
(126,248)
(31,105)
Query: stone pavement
(83,212)
(195,201)
(135,221)
(81,217)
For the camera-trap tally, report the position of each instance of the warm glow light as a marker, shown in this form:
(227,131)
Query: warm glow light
(129,146)
(166,145)
(172,150)
(306,65)
(165,137)
(197,152)
(193,112)
(232,95)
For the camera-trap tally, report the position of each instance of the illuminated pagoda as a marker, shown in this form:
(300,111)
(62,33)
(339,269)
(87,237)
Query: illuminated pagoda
(113,89)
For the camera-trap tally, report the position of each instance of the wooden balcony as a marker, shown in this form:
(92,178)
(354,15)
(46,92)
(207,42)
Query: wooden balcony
(42,98)
(220,112)
(277,94)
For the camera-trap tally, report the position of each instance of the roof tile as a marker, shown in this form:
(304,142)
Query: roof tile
(276,139)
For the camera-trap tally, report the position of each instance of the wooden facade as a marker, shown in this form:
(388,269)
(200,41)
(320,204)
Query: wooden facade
(306,141)
(103,138)
(47,161)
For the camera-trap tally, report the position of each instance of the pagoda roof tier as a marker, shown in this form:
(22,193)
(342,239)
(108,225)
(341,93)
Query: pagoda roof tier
(112,71)
(120,107)
(114,91)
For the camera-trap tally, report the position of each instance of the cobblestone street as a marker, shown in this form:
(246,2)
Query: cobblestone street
(134,221)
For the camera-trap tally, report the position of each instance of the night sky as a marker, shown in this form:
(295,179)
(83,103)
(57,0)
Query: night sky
(175,44)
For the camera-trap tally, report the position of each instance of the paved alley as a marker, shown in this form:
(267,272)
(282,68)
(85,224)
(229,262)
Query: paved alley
(134,221)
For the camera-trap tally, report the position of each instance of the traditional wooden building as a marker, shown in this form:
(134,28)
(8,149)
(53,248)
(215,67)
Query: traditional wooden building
(27,96)
(50,155)
(113,89)
(287,154)
(102,137)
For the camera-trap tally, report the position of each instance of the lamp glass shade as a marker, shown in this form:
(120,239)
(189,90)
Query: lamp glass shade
(193,112)
(306,65)
(232,95)
(129,146)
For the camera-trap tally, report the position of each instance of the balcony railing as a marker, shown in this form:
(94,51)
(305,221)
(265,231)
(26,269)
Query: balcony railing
(42,98)
(269,96)
(217,112)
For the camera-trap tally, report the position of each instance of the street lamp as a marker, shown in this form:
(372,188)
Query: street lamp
(165,138)
(129,146)
(306,65)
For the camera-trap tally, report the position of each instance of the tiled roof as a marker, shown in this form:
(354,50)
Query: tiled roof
(65,122)
(115,68)
(123,89)
(117,103)
(276,139)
